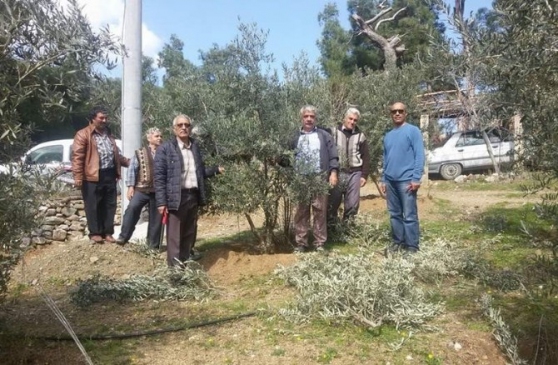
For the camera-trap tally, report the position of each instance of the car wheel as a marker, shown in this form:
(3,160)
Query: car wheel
(451,171)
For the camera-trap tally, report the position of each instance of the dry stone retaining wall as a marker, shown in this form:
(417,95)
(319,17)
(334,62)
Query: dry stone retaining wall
(63,219)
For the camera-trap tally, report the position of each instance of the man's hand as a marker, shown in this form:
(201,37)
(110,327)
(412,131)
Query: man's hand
(221,169)
(333,178)
(130,192)
(413,186)
(162,209)
(362,182)
(382,187)
(78,183)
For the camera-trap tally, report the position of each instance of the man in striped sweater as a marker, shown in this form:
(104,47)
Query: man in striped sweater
(354,167)
(141,191)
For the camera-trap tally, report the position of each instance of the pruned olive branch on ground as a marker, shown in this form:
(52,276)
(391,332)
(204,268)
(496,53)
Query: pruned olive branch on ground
(188,282)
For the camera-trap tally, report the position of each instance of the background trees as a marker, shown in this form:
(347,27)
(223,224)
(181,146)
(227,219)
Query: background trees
(48,56)
(246,112)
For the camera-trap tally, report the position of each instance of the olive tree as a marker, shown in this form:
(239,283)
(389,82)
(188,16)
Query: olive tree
(373,94)
(47,59)
(245,115)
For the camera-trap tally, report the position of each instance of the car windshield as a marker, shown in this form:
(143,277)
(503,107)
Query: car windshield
(46,155)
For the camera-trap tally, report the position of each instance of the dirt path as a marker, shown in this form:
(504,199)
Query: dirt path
(245,282)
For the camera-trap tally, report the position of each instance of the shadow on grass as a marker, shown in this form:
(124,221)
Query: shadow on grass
(513,221)
(534,320)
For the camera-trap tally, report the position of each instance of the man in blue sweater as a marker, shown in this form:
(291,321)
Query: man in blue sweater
(402,170)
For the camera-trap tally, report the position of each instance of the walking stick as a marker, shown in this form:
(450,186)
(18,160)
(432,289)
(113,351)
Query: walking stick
(164,221)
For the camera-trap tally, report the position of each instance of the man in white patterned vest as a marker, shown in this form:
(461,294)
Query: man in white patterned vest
(354,167)
(141,191)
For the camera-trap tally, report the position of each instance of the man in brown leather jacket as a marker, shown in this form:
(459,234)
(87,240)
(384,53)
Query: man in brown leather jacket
(96,164)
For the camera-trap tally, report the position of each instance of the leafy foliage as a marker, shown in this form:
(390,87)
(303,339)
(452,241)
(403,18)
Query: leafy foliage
(175,283)
(525,73)
(373,94)
(47,59)
(356,287)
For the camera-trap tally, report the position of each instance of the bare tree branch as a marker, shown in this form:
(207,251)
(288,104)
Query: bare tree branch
(391,47)
(378,16)
(390,19)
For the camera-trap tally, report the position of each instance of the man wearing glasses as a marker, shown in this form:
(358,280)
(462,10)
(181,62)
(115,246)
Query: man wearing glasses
(180,188)
(403,166)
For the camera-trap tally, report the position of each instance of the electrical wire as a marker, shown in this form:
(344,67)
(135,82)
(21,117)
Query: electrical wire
(112,336)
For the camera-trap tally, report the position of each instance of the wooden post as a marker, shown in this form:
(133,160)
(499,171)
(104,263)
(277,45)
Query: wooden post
(424,122)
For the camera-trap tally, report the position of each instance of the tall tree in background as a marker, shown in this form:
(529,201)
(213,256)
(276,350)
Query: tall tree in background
(335,60)
(334,44)
(404,27)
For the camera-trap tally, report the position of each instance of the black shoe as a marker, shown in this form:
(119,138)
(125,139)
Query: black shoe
(195,255)
(409,252)
(121,241)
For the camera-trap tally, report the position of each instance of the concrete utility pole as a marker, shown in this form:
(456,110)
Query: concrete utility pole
(131,85)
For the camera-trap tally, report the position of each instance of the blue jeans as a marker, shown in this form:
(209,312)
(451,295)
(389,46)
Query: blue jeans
(402,208)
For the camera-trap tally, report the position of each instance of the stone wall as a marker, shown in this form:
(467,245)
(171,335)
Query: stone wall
(63,219)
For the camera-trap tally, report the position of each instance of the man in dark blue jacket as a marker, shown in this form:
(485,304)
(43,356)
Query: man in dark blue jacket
(180,188)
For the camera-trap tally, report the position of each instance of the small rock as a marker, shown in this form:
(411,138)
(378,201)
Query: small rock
(25,242)
(54,220)
(59,235)
(93,259)
(68,212)
(457,346)
(46,227)
(39,240)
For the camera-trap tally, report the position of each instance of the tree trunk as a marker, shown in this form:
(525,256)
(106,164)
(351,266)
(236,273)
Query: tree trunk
(491,153)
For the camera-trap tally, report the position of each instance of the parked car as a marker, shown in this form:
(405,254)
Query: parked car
(467,151)
(54,157)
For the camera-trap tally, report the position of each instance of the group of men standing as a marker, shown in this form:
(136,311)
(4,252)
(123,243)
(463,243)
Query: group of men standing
(170,177)
(341,157)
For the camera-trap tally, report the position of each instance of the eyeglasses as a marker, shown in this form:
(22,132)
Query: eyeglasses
(183,125)
(397,111)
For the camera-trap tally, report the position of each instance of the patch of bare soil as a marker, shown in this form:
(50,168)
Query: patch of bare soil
(237,274)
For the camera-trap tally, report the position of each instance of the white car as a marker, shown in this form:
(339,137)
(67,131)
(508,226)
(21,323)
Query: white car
(467,151)
(54,157)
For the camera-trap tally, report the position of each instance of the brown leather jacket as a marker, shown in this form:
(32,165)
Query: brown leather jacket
(85,159)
